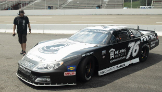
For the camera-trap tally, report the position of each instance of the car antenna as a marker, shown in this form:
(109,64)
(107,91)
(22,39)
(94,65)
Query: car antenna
(137,27)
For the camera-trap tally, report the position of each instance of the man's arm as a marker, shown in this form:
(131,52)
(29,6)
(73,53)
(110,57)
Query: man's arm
(29,27)
(14,27)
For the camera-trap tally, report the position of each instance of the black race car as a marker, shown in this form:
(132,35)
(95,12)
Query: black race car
(101,48)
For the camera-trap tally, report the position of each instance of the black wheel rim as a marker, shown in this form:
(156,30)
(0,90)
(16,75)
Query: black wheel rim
(144,53)
(88,70)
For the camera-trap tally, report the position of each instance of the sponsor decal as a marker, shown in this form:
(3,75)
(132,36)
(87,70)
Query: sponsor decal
(117,55)
(116,67)
(134,49)
(71,68)
(87,54)
(153,43)
(111,61)
(97,30)
(112,55)
(35,57)
(148,37)
(69,73)
(103,52)
(53,48)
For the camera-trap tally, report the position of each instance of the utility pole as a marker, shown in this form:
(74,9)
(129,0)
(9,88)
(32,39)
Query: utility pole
(146,2)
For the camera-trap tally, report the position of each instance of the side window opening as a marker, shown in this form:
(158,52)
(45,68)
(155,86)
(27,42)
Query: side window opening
(113,39)
(119,36)
(124,35)
(135,33)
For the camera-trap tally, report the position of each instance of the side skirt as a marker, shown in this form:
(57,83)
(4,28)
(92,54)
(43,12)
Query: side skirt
(117,67)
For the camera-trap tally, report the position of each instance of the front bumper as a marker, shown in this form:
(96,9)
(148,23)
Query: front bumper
(41,84)
(56,79)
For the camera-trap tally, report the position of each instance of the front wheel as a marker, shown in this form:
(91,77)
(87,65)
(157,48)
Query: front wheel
(85,69)
(144,53)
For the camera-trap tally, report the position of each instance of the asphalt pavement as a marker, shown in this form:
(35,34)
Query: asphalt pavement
(140,77)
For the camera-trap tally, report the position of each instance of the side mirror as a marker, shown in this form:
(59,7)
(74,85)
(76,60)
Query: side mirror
(118,40)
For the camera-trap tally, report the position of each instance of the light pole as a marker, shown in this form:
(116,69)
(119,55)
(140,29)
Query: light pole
(123,3)
(131,4)
(33,4)
(58,4)
(146,2)
(100,4)
(45,5)
(86,3)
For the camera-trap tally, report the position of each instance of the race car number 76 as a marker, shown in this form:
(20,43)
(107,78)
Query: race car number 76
(134,48)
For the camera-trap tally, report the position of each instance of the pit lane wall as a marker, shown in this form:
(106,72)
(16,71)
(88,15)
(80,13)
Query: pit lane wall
(72,28)
(82,12)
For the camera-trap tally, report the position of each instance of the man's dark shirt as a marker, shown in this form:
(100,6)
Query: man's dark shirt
(21,23)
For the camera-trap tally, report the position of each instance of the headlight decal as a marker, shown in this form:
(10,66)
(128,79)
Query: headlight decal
(27,64)
(48,66)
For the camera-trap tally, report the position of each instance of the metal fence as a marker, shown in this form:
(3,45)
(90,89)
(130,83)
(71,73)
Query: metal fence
(143,4)
(61,4)
(13,4)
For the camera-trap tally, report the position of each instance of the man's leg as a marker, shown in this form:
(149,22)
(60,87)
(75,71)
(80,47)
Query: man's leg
(21,48)
(24,39)
(20,41)
(24,47)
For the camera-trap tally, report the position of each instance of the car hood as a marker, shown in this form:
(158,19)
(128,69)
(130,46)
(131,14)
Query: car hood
(55,50)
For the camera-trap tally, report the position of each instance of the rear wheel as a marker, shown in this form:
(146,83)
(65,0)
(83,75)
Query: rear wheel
(144,53)
(85,69)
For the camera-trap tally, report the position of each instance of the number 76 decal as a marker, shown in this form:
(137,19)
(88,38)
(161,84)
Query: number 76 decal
(134,48)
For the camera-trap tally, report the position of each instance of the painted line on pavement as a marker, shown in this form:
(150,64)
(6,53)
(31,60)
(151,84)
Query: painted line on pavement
(98,17)
(158,22)
(92,21)
(41,17)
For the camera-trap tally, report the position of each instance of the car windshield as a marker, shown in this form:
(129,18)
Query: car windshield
(91,36)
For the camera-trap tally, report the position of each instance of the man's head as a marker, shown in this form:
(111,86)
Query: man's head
(21,13)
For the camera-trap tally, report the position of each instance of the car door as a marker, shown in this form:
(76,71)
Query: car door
(121,48)
(118,49)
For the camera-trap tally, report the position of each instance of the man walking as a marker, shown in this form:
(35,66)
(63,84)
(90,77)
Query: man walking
(21,21)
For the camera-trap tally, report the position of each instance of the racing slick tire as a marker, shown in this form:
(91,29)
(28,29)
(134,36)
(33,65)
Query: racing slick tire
(86,69)
(144,53)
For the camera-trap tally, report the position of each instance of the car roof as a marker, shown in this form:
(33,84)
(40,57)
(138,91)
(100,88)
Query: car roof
(107,28)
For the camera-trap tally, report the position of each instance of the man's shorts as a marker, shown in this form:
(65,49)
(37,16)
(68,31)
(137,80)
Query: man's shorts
(22,38)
